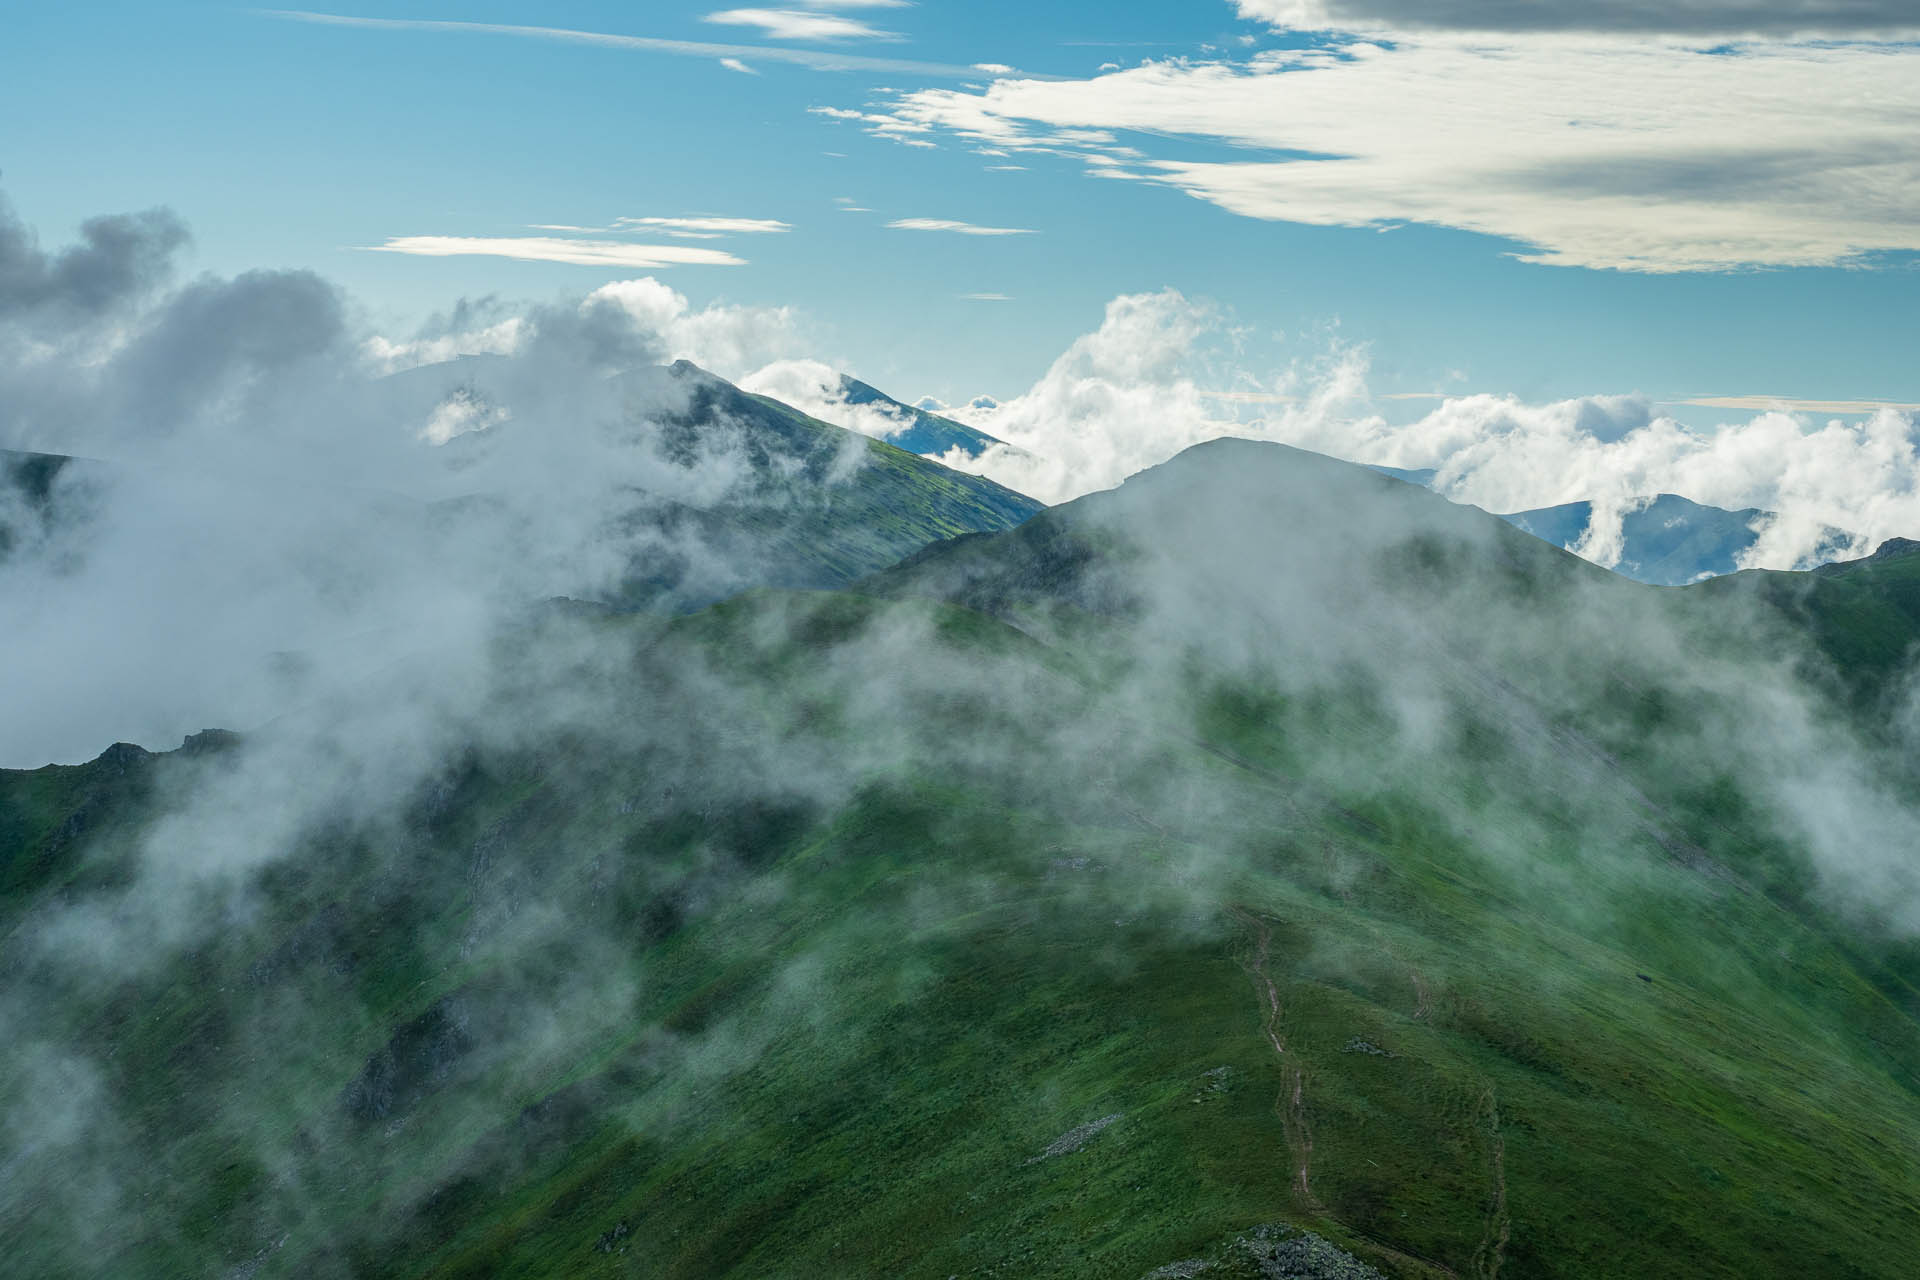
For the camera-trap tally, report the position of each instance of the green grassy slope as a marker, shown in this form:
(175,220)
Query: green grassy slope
(1863,615)
(1076,901)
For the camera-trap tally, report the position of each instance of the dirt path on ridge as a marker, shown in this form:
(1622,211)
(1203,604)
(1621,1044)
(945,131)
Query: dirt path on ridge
(1492,1253)
(1291,1105)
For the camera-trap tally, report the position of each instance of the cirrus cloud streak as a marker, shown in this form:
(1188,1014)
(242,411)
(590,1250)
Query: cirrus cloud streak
(956,227)
(585,253)
(798,24)
(815,59)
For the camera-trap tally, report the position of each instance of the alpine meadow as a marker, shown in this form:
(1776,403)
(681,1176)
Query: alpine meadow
(1265,639)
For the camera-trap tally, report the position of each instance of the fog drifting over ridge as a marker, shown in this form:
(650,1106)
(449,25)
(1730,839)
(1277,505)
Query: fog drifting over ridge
(265,515)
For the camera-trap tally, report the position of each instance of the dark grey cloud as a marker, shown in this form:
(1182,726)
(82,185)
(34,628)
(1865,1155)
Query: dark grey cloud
(1678,17)
(119,257)
(1735,175)
(133,371)
(598,334)
(217,336)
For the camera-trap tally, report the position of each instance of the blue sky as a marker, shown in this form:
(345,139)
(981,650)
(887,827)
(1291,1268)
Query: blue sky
(291,143)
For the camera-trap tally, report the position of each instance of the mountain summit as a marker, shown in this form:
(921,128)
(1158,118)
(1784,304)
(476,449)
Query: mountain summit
(922,432)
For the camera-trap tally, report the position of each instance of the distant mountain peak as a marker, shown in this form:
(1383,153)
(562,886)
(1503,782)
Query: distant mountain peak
(1666,539)
(921,431)
(1895,547)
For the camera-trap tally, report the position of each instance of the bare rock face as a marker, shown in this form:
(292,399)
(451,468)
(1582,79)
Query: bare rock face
(121,756)
(421,1058)
(1271,1252)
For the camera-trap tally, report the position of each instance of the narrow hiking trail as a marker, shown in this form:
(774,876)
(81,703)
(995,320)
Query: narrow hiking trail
(1492,1253)
(1422,997)
(1489,1256)
(1291,1105)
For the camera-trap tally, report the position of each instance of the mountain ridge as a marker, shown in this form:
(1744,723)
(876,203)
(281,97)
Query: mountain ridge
(1070,899)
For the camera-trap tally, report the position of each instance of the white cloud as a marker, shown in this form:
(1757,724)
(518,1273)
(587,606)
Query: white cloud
(696,228)
(800,24)
(817,59)
(1496,452)
(1251,397)
(462,412)
(1788,404)
(734,64)
(389,355)
(1115,403)
(958,228)
(986,297)
(717,226)
(727,340)
(894,127)
(1502,454)
(1632,153)
(586,253)
(816,389)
